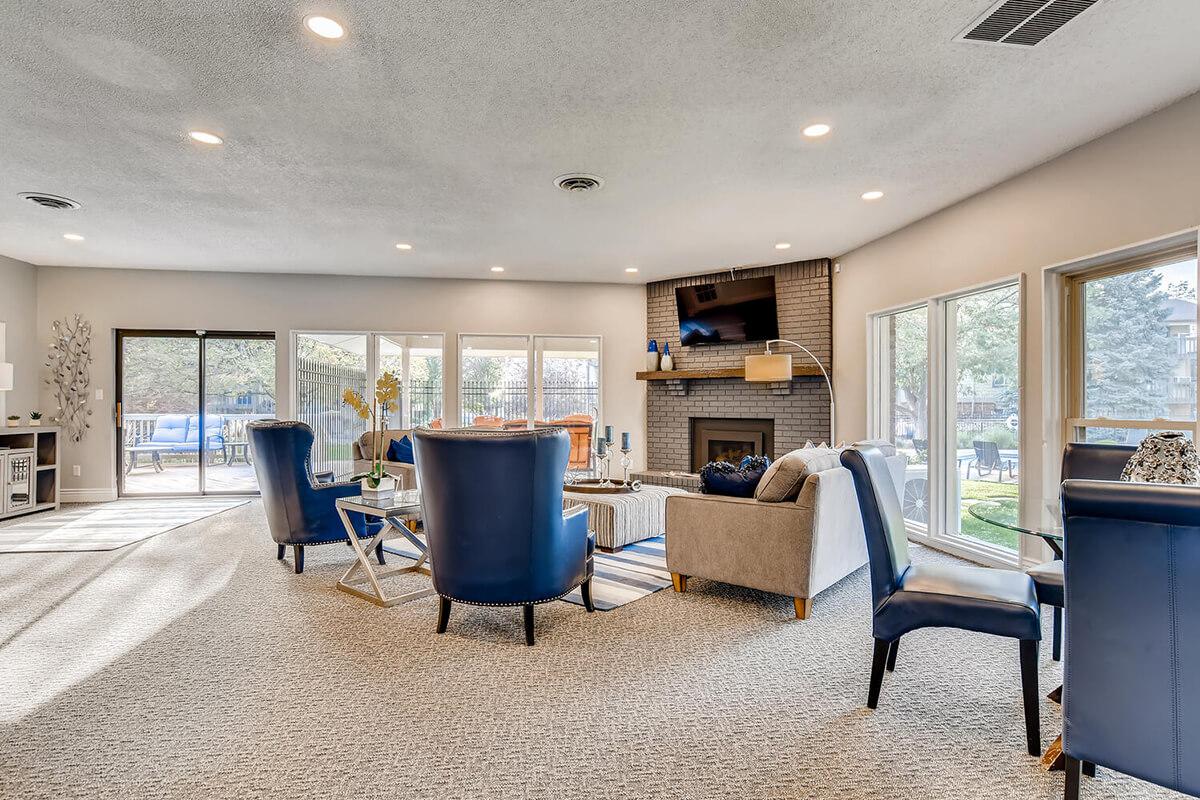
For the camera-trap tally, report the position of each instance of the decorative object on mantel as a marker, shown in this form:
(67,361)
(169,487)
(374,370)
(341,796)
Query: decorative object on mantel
(376,483)
(667,363)
(772,367)
(35,419)
(652,356)
(70,363)
(13,420)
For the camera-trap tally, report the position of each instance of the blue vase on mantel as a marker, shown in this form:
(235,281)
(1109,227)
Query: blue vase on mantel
(652,356)
(667,362)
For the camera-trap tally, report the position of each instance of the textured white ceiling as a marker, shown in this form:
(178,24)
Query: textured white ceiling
(444,122)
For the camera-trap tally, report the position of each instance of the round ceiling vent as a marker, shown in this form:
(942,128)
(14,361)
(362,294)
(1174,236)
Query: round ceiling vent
(578,182)
(49,200)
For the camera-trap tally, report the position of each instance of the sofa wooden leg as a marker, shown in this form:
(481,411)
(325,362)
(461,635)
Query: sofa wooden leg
(679,581)
(803,607)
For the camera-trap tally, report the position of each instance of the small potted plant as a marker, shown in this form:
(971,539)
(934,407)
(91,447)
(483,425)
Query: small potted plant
(13,420)
(35,419)
(376,484)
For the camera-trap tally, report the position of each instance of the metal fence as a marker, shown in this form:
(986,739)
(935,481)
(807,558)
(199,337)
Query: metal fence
(511,400)
(319,388)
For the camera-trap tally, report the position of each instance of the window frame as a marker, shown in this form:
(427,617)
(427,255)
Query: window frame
(535,398)
(1076,423)
(942,416)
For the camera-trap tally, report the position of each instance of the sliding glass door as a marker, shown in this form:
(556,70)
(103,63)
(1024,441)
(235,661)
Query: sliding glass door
(183,401)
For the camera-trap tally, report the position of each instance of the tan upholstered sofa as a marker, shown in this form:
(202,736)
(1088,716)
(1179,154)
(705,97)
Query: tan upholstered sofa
(795,548)
(405,474)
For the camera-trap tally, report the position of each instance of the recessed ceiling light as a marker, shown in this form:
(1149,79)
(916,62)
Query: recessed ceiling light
(325,27)
(72,237)
(875,194)
(819,129)
(204,137)
(782,245)
(497,269)
(631,269)
(403,246)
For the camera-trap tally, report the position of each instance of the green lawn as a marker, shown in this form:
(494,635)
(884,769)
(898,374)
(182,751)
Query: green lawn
(978,529)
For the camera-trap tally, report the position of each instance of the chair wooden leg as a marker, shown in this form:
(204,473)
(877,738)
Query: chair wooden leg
(1089,768)
(379,553)
(803,607)
(679,582)
(280,551)
(1056,646)
(298,551)
(1029,690)
(891,662)
(585,589)
(529,625)
(877,664)
(443,614)
(1071,789)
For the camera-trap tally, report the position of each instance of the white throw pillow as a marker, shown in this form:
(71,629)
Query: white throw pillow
(785,477)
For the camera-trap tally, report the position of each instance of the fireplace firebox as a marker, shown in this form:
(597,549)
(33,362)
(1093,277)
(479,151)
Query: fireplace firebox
(730,440)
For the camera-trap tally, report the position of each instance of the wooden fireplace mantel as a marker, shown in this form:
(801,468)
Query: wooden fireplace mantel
(798,370)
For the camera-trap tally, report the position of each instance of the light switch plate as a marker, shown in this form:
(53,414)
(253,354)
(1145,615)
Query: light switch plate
(99,394)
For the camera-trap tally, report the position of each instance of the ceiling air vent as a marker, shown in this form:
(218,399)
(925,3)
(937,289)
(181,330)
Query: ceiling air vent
(578,182)
(1024,23)
(49,200)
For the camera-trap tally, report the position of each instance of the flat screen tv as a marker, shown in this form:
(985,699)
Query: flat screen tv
(731,311)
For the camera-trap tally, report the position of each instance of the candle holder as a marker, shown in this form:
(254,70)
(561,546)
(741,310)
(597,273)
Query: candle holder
(604,473)
(626,461)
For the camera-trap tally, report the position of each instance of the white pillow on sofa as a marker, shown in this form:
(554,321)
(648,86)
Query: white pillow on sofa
(887,448)
(785,477)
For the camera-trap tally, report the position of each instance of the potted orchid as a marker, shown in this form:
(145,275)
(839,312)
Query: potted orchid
(376,484)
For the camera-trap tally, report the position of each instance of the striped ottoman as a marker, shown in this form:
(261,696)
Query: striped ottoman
(621,519)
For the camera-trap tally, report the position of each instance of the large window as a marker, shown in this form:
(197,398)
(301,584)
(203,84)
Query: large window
(1133,349)
(326,364)
(946,392)
(523,380)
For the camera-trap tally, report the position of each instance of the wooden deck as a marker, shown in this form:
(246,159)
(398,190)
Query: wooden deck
(185,479)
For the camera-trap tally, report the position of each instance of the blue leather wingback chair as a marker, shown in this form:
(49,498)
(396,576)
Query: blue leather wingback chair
(300,509)
(1131,701)
(907,596)
(492,502)
(1096,462)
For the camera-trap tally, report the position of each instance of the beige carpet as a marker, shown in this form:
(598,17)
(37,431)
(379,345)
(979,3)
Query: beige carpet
(194,665)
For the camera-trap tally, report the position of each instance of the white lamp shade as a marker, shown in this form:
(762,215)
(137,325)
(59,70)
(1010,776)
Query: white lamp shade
(6,377)
(769,367)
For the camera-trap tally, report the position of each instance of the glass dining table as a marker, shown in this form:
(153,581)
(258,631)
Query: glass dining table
(1005,512)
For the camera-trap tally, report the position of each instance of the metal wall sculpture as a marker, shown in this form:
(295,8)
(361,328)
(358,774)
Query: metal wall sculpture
(70,363)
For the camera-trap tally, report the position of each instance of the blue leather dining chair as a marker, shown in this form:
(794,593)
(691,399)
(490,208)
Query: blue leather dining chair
(1081,461)
(1131,700)
(492,502)
(906,596)
(300,505)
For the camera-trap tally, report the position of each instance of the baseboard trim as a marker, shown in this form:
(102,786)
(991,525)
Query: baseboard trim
(87,495)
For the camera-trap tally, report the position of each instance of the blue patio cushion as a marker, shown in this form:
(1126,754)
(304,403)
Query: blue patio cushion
(213,427)
(170,429)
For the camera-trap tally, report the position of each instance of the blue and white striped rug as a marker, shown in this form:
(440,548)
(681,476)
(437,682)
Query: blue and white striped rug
(619,578)
(109,525)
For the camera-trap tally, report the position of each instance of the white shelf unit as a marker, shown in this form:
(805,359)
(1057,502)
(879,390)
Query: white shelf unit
(29,470)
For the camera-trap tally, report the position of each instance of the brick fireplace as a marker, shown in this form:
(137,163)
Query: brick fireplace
(782,416)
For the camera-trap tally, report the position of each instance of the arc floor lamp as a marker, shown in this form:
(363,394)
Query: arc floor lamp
(773,367)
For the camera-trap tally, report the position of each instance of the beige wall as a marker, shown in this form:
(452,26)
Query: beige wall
(1137,183)
(19,345)
(113,299)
